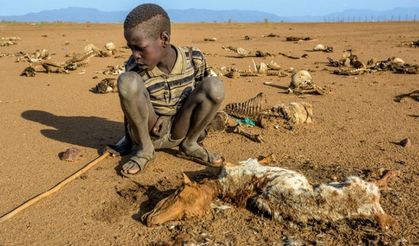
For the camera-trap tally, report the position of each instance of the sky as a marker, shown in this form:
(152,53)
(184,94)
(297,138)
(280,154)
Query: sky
(279,7)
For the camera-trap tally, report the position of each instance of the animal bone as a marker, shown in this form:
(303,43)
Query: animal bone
(254,137)
(321,47)
(290,56)
(271,35)
(412,44)
(294,112)
(107,85)
(349,72)
(10,38)
(29,72)
(7,43)
(273,65)
(280,193)
(114,70)
(254,108)
(260,53)
(240,51)
(302,83)
(414,95)
(220,122)
(213,39)
(248,108)
(292,38)
(348,60)
(110,46)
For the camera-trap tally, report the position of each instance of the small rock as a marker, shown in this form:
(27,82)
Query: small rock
(71,154)
(405,142)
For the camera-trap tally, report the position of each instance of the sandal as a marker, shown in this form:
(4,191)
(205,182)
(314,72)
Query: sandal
(137,163)
(123,147)
(202,156)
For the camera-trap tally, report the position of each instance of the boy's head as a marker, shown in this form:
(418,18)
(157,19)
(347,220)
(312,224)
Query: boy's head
(147,31)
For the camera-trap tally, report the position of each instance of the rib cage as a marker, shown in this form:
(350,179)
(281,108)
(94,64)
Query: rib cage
(250,108)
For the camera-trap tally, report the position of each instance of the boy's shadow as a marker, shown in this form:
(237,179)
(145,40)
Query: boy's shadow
(87,131)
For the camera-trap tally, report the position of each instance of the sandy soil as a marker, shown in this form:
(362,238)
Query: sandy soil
(352,134)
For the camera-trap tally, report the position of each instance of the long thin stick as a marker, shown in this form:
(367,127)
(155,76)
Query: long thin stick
(54,189)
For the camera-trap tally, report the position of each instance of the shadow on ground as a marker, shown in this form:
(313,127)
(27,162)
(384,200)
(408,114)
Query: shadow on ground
(87,131)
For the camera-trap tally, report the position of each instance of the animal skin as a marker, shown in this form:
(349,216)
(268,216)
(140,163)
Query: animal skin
(281,193)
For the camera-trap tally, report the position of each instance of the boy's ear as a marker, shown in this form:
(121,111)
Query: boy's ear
(165,37)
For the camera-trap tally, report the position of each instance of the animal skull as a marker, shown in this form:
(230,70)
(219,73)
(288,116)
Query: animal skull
(191,200)
(300,78)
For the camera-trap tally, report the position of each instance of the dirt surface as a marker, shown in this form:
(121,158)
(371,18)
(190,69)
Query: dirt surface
(354,130)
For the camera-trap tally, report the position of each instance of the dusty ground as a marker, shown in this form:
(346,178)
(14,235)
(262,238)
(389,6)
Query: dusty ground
(352,134)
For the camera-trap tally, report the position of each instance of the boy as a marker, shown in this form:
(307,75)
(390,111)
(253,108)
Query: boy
(167,93)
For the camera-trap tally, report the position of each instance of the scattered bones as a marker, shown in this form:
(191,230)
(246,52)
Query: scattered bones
(78,60)
(114,70)
(350,65)
(293,38)
(245,53)
(270,69)
(413,44)
(7,41)
(107,85)
(37,56)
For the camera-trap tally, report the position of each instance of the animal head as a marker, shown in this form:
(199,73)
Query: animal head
(190,200)
(300,78)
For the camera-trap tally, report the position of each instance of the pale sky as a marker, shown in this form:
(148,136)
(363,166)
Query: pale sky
(279,7)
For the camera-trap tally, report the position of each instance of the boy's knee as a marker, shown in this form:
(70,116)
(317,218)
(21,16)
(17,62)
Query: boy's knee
(214,89)
(129,84)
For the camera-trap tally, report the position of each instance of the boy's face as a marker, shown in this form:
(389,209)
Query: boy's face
(147,51)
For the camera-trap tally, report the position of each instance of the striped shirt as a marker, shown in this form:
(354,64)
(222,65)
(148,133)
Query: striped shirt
(168,92)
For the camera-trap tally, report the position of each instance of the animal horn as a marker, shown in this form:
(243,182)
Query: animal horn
(186,180)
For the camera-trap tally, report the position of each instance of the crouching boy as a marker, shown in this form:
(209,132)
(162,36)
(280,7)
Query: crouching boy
(167,94)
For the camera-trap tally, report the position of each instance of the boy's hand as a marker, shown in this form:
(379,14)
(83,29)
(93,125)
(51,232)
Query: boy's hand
(162,126)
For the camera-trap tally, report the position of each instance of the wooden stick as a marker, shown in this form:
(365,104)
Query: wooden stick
(54,189)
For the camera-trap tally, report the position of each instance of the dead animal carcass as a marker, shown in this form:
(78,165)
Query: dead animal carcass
(282,194)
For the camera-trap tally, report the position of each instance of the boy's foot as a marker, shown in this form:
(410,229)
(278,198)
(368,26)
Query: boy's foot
(200,155)
(123,147)
(136,164)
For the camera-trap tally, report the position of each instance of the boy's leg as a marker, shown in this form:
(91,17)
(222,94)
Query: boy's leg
(136,105)
(197,112)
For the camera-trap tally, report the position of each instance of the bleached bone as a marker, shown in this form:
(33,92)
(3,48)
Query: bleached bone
(293,113)
(302,83)
(254,137)
(248,108)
